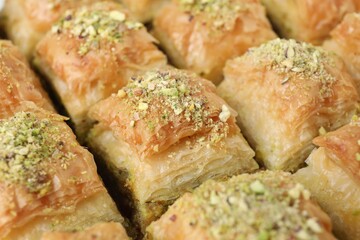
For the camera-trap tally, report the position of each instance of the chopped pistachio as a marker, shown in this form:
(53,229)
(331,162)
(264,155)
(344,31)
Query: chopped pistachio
(225,113)
(357,156)
(95,25)
(322,131)
(292,58)
(257,187)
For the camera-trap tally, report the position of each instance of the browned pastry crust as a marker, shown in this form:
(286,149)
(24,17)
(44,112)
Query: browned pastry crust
(27,21)
(266,205)
(144,10)
(345,41)
(284,92)
(202,36)
(47,180)
(100,231)
(165,133)
(18,83)
(335,168)
(91,53)
(307,20)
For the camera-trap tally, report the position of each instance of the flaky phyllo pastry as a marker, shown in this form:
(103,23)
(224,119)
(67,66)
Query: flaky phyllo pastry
(100,231)
(333,177)
(285,92)
(90,53)
(18,83)
(47,180)
(266,205)
(345,41)
(307,20)
(27,21)
(165,133)
(144,10)
(201,35)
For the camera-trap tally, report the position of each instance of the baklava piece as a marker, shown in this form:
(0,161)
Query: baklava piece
(307,20)
(27,21)
(266,205)
(18,84)
(345,41)
(201,35)
(333,177)
(144,10)
(100,231)
(165,133)
(90,53)
(285,92)
(47,180)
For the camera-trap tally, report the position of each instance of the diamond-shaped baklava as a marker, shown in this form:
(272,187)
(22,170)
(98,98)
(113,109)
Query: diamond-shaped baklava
(47,180)
(285,92)
(92,52)
(165,133)
(201,35)
(333,177)
(266,205)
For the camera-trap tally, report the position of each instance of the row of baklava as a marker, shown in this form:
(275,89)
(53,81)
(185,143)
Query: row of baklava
(166,131)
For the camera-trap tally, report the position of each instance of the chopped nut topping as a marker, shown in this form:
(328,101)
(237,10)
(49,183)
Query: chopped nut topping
(178,96)
(92,26)
(26,146)
(301,59)
(257,206)
(220,14)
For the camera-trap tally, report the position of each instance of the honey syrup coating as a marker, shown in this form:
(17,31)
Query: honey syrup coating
(18,83)
(335,166)
(304,21)
(91,52)
(284,92)
(201,35)
(345,41)
(265,205)
(27,21)
(48,180)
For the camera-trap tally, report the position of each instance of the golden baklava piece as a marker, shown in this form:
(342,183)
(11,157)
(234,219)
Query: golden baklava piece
(345,41)
(144,10)
(333,177)
(201,35)
(91,53)
(307,20)
(47,180)
(266,205)
(18,83)
(165,133)
(285,92)
(100,231)
(27,21)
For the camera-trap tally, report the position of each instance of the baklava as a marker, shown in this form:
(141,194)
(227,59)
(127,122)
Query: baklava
(201,35)
(90,53)
(144,10)
(100,231)
(18,84)
(307,20)
(333,177)
(285,92)
(266,205)
(345,41)
(165,133)
(48,181)
(27,21)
